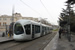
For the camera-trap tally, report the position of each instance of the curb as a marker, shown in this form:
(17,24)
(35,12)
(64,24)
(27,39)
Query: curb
(8,40)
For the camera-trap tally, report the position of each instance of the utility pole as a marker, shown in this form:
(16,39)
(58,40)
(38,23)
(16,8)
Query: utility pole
(12,23)
(13,14)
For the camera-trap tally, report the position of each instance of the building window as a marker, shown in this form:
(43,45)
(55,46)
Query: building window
(0,18)
(4,19)
(0,23)
(4,23)
(11,19)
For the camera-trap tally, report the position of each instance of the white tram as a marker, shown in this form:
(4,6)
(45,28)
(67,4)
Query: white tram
(28,30)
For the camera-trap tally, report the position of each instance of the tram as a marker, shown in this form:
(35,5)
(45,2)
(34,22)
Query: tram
(28,30)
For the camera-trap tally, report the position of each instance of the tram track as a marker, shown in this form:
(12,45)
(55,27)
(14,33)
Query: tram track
(38,45)
(23,45)
(27,45)
(50,38)
(4,46)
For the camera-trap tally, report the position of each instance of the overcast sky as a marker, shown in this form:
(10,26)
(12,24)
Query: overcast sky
(47,9)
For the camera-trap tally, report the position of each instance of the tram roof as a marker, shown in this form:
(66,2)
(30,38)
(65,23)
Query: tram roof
(26,21)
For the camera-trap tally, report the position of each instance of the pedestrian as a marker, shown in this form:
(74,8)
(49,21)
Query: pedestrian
(60,31)
(10,33)
(3,34)
(6,32)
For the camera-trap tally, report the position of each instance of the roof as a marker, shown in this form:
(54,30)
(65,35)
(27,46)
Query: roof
(24,21)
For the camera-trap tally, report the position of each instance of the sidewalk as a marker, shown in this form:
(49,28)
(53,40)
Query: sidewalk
(5,38)
(64,44)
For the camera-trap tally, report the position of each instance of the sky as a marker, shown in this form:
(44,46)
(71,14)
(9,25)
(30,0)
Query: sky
(47,9)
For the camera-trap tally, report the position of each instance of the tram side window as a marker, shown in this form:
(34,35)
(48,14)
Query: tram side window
(45,29)
(27,29)
(37,29)
(42,29)
(48,28)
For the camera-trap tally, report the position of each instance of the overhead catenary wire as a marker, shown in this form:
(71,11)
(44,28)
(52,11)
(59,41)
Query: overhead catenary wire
(30,7)
(45,8)
(35,10)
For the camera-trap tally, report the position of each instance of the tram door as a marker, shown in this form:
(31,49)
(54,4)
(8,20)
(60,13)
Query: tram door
(42,31)
(33,31)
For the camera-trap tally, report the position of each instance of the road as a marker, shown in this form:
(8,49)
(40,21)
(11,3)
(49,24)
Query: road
(37,44)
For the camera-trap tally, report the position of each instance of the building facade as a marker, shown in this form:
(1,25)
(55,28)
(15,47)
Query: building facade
(5,20)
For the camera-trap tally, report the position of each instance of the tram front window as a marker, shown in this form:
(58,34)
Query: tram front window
(18,29)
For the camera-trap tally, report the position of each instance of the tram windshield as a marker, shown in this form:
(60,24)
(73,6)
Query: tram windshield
(18,29)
